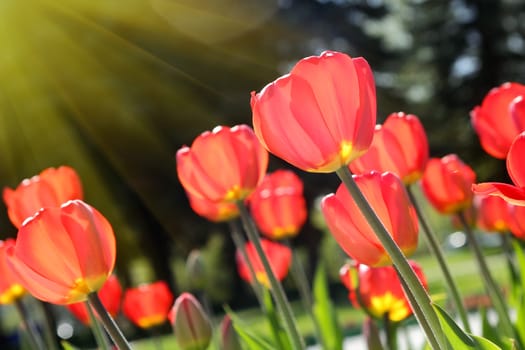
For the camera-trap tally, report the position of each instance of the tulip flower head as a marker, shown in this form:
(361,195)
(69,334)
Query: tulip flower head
(321,115)
(379,291)
(110,295)
(10,288)
(51,188)
(516,168)
(222,165)
(400,146)
(388,197)
(493,213)
(279,256)
(64,253)
(148,305)
(447,184)
(213,211)
(278,206)
(495,123)
(191,326)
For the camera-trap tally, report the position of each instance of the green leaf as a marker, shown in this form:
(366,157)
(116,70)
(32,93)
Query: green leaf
(459,339)
(455,335)
(520,257)
(252,340)
(67,346)
(487,329)
(279,334)
(520,316)
(484,344)
(324,311)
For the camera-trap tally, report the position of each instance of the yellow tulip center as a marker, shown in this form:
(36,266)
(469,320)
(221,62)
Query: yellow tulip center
(150,321)
(500,226)
(236,193)
(263,279)
(284,232)
(13,293)
(396,307)
(345,152)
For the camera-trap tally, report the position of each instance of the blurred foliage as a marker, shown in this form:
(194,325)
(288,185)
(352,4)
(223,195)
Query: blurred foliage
(114,88)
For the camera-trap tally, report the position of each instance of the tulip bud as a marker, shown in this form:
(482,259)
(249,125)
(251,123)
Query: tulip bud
(195,269)
(229,337)
(191,325)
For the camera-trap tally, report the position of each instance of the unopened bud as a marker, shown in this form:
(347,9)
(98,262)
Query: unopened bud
(229,337)
(191,325)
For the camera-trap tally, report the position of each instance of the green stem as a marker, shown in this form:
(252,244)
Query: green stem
(49,325)
(98,331)
(435,248)
(108,322)
(239,242)
(304,290)
(276,288)
(492,289)
(428,320)
(390,332)
(27,325)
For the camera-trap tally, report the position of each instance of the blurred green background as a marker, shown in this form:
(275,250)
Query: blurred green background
(113,88)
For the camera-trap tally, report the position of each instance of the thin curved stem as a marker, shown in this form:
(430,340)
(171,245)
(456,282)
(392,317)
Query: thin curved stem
(277,290)
(108,322)
(49,325)
(492,289)
(304,290)
(33,337)
(428,320)
(435,248)
(390,332)
(239,242)
(98,331)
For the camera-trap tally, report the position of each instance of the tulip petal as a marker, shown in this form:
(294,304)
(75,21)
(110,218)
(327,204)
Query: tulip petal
(39,286)
(512,194)
(92,238)
(366,250)
(515,163)
(44,246)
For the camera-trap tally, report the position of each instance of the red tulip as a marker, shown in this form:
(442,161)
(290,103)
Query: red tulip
(51,188)
(516,169)
(493,214)
(516,222)
(62,254)
(148,305)
(191,325)
(517,111)
(389,199)
(10,288)
(321,115)
(447,184)
(224,165)
(400,146)
(110,295)
(278,205)
(493,121)
(213,211)
(279,256)
(379,290)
